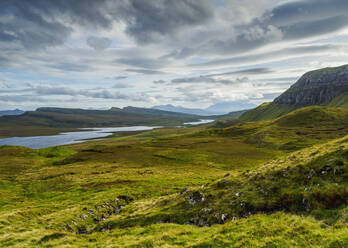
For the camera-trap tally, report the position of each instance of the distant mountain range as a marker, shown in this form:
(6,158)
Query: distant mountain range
(77,118)
(215,109)
(11,112)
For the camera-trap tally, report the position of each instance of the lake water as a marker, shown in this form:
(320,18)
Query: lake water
(36,142)
(199,122)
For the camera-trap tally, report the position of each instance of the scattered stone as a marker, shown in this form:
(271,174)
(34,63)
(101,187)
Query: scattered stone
(238,194)
(83,216)
(306,204)
(195,197)
(206,210)
(224,217)
(308,189)
(263,191)
(311,174)
(185,190)
(222,183)
(82,230)
(68,227)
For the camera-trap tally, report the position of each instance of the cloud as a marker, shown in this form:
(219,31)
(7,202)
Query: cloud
(98,43)
(43,90)
(67,66)
(50,90)
(148,20)
(61,41)
(144,71)
(270,56)
(208,79)
(159,81)
(139,62)
(120,77)
(121,86)
(253,71)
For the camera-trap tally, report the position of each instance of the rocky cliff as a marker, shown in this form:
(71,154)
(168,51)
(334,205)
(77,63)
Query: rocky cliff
(316,87)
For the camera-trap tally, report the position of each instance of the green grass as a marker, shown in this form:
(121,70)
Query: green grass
(299,129)
(340,101)
(125,191)
(266,111)
(269,111)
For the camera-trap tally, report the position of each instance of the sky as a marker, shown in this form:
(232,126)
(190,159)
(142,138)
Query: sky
(194,53)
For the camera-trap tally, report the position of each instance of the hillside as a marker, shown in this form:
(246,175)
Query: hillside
(316,87)
(54,120)
(189,187)
(301,128)
(324,87)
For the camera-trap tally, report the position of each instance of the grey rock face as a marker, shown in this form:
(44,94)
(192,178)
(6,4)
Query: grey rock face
(316,87)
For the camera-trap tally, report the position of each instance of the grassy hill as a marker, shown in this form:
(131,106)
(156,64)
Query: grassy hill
(298,129)
(323,87)
(340,101)
(275,177)
(54,120)
(275,183)
(268,111)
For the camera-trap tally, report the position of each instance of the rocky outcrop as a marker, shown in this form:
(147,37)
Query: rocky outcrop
(316,87)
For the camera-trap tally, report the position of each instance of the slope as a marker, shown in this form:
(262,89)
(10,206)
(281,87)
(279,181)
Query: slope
(54,120)
(323,87)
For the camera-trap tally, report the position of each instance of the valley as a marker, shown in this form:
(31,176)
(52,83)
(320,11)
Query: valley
(273,180)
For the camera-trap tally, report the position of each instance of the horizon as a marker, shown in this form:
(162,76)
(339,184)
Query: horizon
(192,54)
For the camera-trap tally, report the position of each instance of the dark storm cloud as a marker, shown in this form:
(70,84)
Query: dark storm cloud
(141,62)
(66,66)
(145,71)
(39,23)
(206,79)
(292,79)
(98,43)
(22,98)
(253,71)
(294,20)
(307,10)
(120,77)
(314,28)
(47,90)
(273,55)
(148,19)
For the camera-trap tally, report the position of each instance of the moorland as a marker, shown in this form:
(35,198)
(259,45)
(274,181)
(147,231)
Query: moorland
(276,176)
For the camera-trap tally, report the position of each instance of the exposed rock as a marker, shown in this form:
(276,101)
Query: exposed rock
(82,230)
(222,183)
(224,217)
(311,174)
(185,190)
(206,210)
(316,87)
(195,197)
